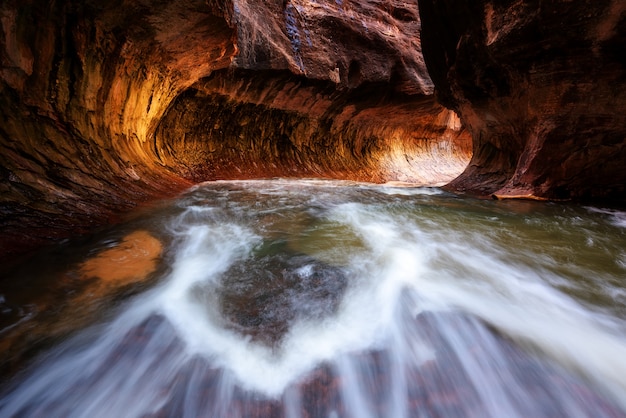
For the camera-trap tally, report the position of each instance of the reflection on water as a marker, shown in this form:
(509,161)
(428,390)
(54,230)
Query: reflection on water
(134,258)
(331,299)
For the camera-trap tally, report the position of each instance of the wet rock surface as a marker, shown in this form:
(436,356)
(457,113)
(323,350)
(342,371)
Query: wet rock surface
(257,313)
(263,296)
(52,304)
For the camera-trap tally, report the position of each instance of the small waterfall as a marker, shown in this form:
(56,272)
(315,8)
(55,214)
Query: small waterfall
(302,298)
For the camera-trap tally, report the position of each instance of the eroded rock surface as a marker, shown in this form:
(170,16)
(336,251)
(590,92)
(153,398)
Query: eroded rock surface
(541,86)
(347,42)
(262,298)
(267,124)
(331,88)
(83,85)
(106,106)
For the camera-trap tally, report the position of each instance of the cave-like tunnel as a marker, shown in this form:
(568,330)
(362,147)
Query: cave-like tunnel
(108,108)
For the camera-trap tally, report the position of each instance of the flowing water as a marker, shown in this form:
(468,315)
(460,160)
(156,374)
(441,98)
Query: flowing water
(329,299)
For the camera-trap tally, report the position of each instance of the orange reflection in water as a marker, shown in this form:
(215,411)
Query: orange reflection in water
(132,260)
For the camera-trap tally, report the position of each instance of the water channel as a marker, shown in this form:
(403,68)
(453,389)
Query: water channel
(311,298)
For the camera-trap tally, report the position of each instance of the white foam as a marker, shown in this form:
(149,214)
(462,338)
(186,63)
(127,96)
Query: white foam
(399,256)
(618,217)
(404,265)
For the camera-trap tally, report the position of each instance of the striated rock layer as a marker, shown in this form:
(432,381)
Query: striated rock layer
(541,86)
(104,106)
(83,86)
(241,125)
(346,41)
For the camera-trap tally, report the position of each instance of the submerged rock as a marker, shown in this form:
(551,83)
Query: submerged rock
(79,296)
(263,296)
(130,261)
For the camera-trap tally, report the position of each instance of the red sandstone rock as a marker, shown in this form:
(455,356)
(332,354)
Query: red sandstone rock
(84,87)
(266,124)
(541,87)
(103,107)
(348,42)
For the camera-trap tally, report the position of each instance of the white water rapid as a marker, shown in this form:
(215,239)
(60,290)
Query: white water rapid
(302,298)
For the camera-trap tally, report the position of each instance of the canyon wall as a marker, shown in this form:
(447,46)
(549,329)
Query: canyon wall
(105,106)
(541,86)
(83,86)
(248,125)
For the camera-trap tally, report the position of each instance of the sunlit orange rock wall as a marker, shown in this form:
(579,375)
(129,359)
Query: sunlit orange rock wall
(541,86)
(83,86)
(105,105)
(240,125)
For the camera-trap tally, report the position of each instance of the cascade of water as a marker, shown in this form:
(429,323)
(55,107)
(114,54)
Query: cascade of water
(320,299)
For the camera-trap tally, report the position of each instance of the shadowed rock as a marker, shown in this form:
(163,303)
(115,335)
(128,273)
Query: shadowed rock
(540,86)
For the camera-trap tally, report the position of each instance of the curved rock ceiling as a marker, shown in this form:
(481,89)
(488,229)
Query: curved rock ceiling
(106,106)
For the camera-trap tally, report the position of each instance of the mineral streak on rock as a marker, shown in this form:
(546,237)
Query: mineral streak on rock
(347,42)
(540,86)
